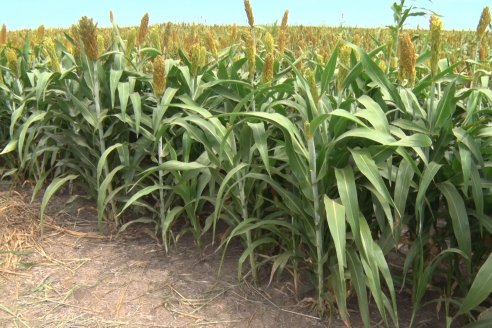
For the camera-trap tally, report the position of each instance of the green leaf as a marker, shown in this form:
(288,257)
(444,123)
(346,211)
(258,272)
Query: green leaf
(403,181)
(260,138)
(137,110)
(427,177)
(480,288)
(329,70)
(102,191)
(358,282)
(379,77)
(335,216)
(12,144)
(123,94)
(348,195)
(445,108)
(368,167)
(373,114)
(42,83)
(89,116)
(37,116)
(143,192)
(102,160)
(56,184)
(459,216)
(114,79)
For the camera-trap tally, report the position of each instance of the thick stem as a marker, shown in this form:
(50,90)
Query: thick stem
(162,205)
(249,239)
(317,219)
(100,130)
(431,113)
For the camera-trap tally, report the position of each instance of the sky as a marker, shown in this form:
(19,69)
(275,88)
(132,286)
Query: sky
(457,14)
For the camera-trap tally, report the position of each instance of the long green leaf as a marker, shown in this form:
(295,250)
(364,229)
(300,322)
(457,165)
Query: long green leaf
(459,216)
(56,184)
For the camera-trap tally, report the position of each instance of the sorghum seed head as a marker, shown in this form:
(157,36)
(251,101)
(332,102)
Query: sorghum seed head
(249,13)
(435,40)
(40,33)
(483,23)
(3,34)
(159,76)
(212,44)
(251,54)
(50,49)
(167,36)
(268,69)
(285,18)
(233,33)
(143,29)
(407,59)
(88,33)
(344,61)
(198,58)
(101,44)
(311,78)
(11,56)
(269,43)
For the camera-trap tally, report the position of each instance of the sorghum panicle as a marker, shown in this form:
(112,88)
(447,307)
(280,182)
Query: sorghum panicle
(435,41)
(143,29)
(407,59)
(249,13)
(159,76)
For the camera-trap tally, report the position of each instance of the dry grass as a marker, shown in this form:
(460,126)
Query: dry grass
(19,236)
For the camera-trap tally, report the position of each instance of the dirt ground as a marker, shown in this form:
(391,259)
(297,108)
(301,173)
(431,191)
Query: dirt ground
(76,277)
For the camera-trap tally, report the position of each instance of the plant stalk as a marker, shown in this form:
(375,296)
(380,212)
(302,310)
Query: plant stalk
(317,218)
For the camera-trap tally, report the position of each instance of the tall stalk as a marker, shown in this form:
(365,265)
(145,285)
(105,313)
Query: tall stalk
(317,217)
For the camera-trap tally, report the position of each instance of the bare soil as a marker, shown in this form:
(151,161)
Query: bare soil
(74,276)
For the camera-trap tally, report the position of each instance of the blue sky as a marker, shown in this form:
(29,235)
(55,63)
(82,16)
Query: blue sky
(457,14)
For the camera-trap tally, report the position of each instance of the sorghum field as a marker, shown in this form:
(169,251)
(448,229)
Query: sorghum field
(358,161)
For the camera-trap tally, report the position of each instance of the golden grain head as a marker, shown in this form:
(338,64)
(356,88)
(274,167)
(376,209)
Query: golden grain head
(3,34)
(111,17)
(483,23)
(249,13)
(49,46)
(269,43)
(143,29)
(435,42)
(268,69)
(159,76)
(483,52)
(311,78)
(281,42)
(285,19)
(40,31)
(198,58)
(101,44)
(344,54)
(233,34)
(407,59)
(166,38)
(11,56)
(212,44)
(87,30)
(250,53)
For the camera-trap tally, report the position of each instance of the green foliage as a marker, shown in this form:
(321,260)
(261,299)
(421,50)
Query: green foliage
(315,170)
